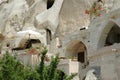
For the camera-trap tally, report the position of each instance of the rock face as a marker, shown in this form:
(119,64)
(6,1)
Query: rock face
(49,19)
(35,7)
(12,16)
(91,75)
(70,19)
(17,15)
(69,31)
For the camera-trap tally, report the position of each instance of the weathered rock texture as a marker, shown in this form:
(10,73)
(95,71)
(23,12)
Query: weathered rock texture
(71,31)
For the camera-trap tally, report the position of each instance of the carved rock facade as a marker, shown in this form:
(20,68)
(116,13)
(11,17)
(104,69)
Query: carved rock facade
(67,30)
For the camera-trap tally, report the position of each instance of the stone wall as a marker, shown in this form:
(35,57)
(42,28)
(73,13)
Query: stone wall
(69,66)
(107,59)
(72,17)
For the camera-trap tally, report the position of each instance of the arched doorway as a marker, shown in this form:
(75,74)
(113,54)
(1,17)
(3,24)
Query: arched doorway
(28,43)
(113,36)
(76,50)
(106,35)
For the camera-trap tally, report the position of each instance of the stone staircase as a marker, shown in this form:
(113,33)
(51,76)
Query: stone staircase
(27,44)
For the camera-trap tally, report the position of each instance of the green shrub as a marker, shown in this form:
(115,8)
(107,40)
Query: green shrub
(13,69)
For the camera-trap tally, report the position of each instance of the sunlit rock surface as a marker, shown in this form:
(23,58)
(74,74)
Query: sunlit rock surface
(71,31)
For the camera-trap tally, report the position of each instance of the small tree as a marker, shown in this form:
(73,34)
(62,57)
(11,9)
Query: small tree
(51,72)
(12,69)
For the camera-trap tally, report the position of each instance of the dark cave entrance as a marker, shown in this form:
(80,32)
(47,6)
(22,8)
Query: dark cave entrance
(113,36)
(50,3)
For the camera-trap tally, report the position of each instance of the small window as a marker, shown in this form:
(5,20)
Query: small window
(8,44)
(48,36)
